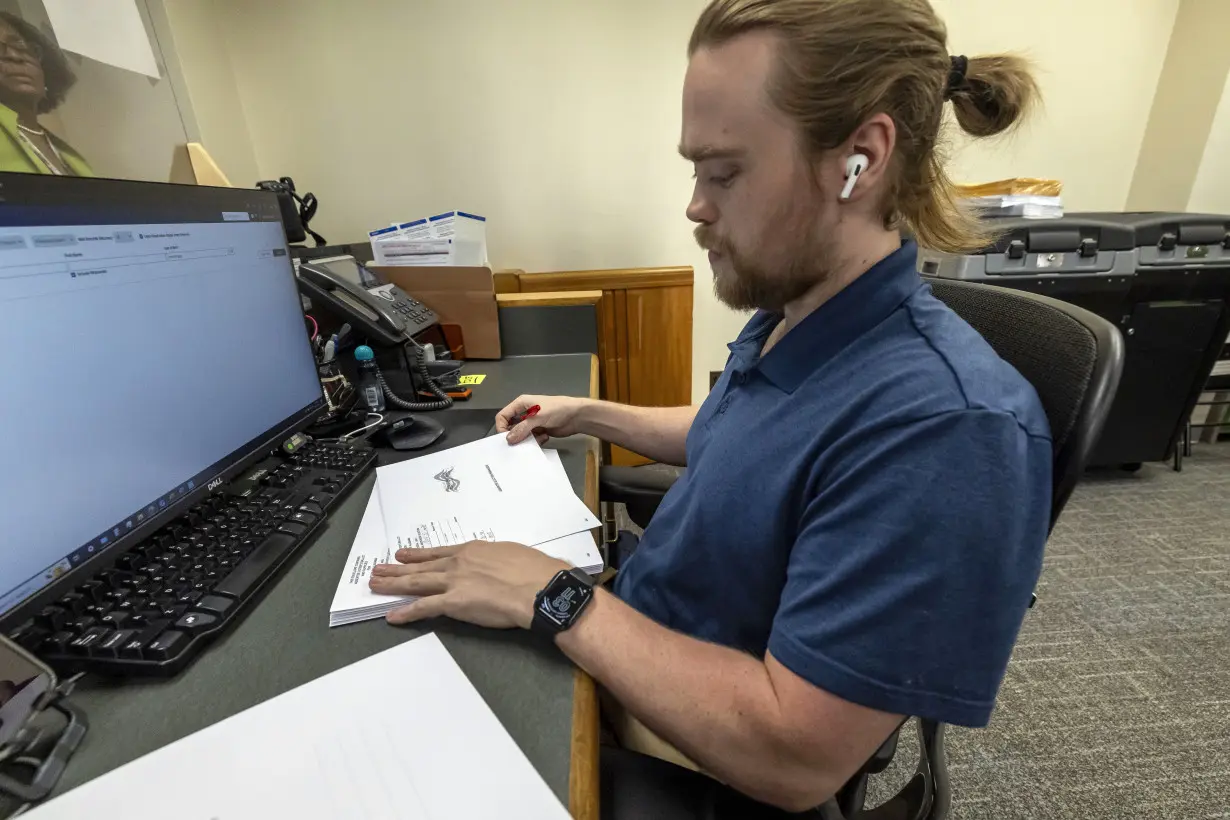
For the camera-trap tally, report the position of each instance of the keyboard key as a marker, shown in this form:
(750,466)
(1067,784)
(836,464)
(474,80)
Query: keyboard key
(135,648)
(256,565)
(58,643)
(305,518)
(74,602)
(131,560)
(189,598)
(111,646)
(84,644)
(293,528)
(173,609)
(84,623)
(29,635)
(215,604)
(196,622)
(166,646)
(93,591)
(52,618)
(115,619)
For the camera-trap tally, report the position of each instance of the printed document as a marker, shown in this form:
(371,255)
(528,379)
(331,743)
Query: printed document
(354,600)
(402,735)
(486,490)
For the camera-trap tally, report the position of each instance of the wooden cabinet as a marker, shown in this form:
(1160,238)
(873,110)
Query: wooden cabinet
(644,332)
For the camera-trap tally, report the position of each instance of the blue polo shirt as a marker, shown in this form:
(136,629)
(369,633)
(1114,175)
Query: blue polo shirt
(868,502)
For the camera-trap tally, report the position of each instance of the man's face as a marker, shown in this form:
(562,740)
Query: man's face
(761,215)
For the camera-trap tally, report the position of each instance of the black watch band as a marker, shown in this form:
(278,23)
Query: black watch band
(558,605)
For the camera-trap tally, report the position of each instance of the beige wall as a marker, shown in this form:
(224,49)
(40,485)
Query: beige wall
(1184,107)
(558,119)
(203,75)
(1098,63)
(1211,188)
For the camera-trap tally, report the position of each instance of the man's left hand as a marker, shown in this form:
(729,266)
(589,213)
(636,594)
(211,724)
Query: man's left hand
(486,583)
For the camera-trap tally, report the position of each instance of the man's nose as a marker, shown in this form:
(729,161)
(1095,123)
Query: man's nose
(700,209)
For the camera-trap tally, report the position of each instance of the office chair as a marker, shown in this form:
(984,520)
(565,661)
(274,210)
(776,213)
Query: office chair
(1073,359)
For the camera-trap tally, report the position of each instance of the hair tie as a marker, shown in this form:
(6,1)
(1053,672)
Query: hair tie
(956,76)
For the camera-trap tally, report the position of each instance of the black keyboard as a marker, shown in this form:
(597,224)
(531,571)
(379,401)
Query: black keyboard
(165,598)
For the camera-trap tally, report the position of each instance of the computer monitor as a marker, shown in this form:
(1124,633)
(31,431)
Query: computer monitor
(152,345)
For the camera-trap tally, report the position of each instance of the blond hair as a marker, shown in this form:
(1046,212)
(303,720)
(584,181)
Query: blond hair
(841,61)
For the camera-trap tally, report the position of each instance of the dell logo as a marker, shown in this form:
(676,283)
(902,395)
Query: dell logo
(215,484)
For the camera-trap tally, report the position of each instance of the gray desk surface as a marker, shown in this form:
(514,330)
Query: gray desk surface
(285,641)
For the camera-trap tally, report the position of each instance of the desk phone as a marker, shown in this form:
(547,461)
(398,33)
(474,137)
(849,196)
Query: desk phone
(385,313)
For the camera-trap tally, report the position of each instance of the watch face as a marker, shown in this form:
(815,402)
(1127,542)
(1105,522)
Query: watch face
(563,599)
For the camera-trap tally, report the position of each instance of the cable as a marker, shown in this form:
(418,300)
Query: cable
(379,420)
(315,327)
(420,369)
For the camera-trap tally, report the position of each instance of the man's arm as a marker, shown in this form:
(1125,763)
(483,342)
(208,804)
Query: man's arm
(660,433)
(750,722)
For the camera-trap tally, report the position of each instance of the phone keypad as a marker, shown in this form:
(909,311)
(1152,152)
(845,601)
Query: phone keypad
(414,313)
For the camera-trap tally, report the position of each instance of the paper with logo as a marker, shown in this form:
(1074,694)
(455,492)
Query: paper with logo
(486,490)
(401,735)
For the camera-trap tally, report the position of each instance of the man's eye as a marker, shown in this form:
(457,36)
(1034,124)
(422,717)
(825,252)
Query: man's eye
(724,181)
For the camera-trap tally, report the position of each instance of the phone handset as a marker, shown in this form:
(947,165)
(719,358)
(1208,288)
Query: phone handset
(373,315)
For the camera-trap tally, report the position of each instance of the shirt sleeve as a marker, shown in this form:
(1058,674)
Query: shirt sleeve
(914,562)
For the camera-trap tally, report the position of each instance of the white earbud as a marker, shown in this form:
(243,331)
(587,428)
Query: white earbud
(855,165)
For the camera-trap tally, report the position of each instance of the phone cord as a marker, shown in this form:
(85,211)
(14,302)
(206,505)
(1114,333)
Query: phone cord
(443,401)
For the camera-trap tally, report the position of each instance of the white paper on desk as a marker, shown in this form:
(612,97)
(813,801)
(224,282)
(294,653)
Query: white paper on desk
(485,490)
(110,31)
(402,735)
(354,600)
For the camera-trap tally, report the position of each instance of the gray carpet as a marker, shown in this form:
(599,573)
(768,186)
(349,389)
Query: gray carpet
(1117,700)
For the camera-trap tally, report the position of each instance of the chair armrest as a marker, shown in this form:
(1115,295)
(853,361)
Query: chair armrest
(638,488)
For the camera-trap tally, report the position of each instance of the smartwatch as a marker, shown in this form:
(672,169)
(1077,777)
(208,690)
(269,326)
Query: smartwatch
(562,601)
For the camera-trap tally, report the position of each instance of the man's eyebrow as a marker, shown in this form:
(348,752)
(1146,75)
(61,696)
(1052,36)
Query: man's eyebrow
(703,152)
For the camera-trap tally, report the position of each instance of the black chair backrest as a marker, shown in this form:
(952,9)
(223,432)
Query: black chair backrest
(1072,357)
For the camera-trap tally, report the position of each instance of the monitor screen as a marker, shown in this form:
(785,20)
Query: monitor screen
(151,339)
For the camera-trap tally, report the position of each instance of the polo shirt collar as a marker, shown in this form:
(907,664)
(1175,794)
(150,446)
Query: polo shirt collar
(854,310)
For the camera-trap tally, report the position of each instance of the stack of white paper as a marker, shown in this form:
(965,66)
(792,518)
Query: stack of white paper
(1030,206)
(451,238)
(485,490)
(402,734)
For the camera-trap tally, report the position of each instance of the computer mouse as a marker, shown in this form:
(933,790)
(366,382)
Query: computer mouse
(421,432)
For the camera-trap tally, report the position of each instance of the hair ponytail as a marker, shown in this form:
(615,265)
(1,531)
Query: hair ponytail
(997,93)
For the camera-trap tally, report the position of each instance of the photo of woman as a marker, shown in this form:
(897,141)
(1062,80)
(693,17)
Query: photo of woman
(34,79)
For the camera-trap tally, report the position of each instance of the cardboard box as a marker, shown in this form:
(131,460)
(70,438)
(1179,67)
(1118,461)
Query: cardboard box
(458,295)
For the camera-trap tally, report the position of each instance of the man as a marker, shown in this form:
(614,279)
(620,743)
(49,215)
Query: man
(868,486)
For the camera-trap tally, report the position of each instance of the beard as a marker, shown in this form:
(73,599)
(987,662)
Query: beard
(769,280)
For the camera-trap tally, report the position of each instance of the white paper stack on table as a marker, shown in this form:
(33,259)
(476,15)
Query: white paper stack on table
(402,735)
(482,491)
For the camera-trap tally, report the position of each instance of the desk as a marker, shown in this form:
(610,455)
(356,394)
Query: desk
(285,641)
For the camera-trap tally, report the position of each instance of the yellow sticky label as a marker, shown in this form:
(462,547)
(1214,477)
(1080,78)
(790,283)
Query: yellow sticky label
(477,378)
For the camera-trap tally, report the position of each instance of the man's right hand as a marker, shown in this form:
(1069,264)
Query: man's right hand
(557,417)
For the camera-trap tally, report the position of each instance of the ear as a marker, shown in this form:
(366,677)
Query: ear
(875,139)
